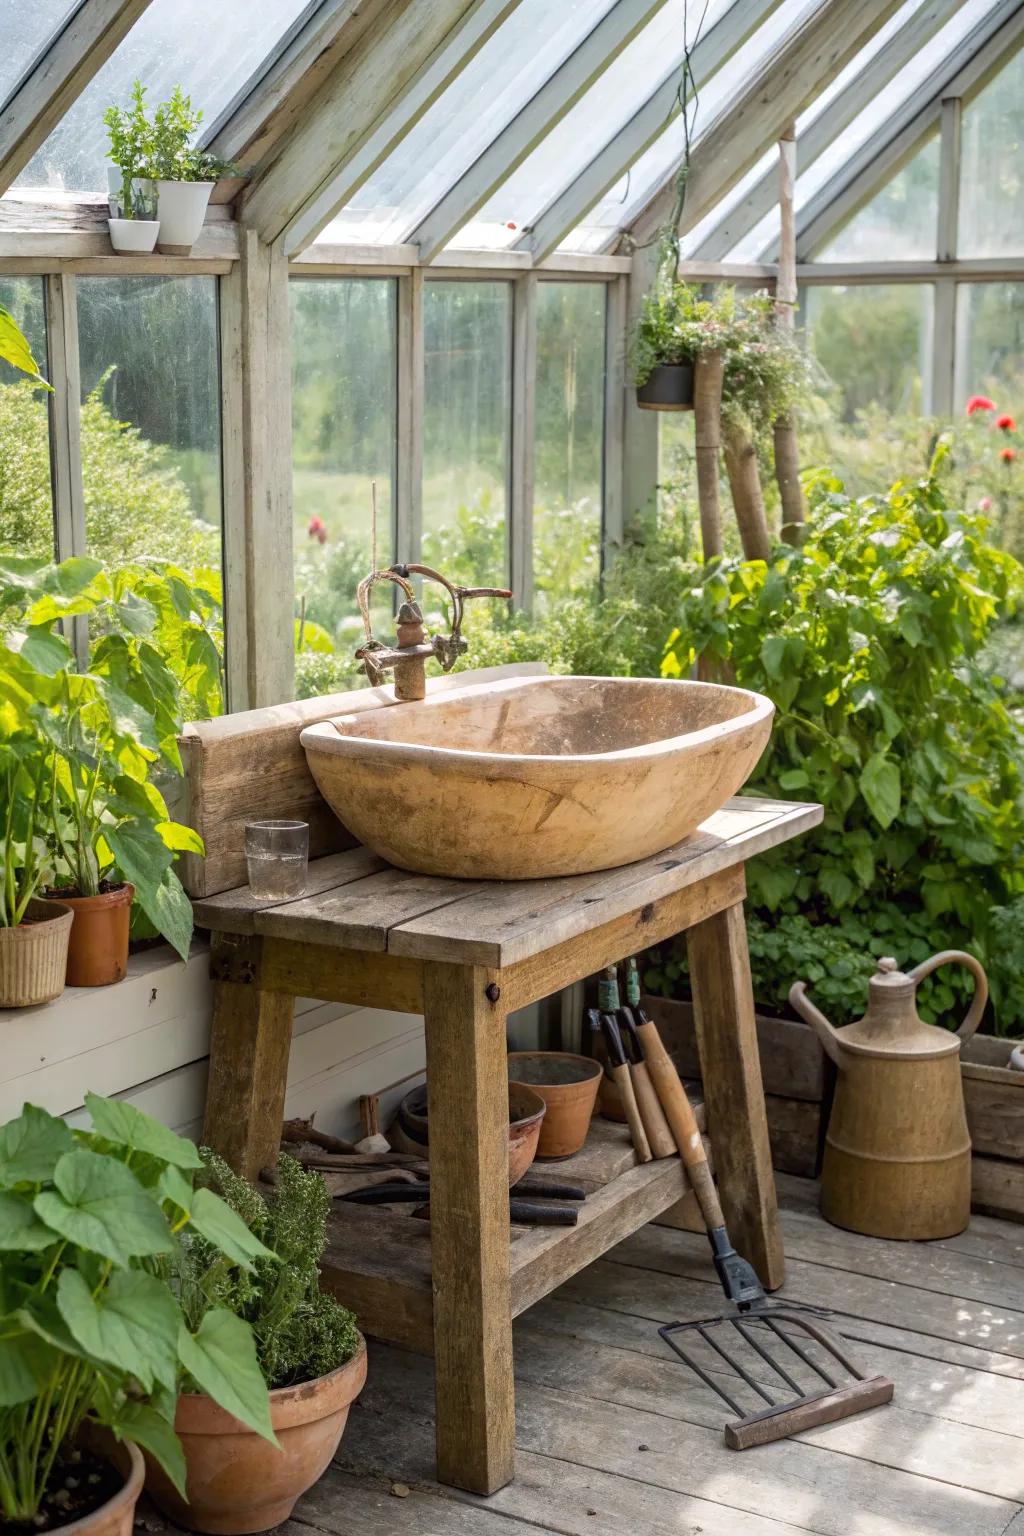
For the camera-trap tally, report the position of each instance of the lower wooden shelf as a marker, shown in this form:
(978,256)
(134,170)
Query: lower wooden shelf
(377,1259)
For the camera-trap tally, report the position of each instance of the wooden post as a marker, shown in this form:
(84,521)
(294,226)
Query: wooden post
(250,1041)
(723,1004)
(467,1086)
(787,451)
(707,419)
(747,496)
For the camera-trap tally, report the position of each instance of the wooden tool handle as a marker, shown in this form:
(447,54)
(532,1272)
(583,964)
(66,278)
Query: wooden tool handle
(622,1079)
(659,1133)
(682,1121)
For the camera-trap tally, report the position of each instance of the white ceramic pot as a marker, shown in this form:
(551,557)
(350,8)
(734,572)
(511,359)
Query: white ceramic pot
(182,211)
(137,236)
(1017,1058)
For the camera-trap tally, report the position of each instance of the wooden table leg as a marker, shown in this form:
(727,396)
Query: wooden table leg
(250,1040)
(731,1072)
(467,1084)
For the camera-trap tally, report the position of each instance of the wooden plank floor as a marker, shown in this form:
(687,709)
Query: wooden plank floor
(615,1440)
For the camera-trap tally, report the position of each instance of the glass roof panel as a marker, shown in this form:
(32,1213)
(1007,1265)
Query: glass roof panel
(174,42)
(26,30)
(652,57)
(511,66)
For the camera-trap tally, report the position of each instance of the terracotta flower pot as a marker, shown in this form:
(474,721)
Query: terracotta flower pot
(526,1111)
(34,955)
(117,1516)
(238,1482)
(98,951)
(568,1085)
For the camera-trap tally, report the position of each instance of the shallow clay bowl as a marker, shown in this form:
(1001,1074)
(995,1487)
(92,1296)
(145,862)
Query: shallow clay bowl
(568,1085)
(526,1110)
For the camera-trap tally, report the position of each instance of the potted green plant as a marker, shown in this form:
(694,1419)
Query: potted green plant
(133,223)
(662,350)
(185,175)
(312,1356)
(94,1341)
(34,933)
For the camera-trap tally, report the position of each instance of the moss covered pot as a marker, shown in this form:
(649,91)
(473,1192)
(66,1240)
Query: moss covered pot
(238,1482)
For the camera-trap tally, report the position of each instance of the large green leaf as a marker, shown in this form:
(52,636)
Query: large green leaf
(170,911)
(880,785)
(41,648)
(14,349)
(132,1323)
(99,1204)
(31,1146)
(141,854)
(127,1126)
(214,1219)
(25,1360)
(20,1227)
(149,1430)
(221,1359)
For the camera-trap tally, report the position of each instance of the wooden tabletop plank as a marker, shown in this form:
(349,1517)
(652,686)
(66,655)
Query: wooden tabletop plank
(235,911)
(360,914)
(500,928)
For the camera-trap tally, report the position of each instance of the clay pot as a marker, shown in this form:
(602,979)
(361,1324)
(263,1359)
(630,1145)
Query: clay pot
(568,1085)
(98,951)
(117,1516)
(238,1482)
(34,955)
(526,1110)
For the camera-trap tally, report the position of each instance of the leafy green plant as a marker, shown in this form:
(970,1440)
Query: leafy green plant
(24,860)
(131,144)
(173,155)
(91,1330)
(88,743)
(14,349)
(301,1332)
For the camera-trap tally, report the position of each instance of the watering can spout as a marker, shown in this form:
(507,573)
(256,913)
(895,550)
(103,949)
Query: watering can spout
(826,1033)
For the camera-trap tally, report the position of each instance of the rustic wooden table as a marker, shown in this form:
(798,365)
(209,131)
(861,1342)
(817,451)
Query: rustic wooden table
(465,955)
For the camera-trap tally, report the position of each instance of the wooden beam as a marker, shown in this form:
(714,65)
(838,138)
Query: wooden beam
(806,59)
(384,69)
(869,86)
(521,478)
(325,256)
(73,226)
(616,316)
(256,362)
(991,269)
(409,450)
(561,215)
(985,49)
(66,436)
(556,96)
(59,76)
(640,428)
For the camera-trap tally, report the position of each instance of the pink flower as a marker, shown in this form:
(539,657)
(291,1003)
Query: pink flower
(980,403)
(316,529)
(985,504)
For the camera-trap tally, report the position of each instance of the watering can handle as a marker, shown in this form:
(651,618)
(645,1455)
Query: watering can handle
(825,1031)
(980,998)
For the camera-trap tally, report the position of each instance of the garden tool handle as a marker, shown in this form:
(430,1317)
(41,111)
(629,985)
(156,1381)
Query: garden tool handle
(826,1032)
(659,1133)
(977,970)
(682,1122)
(618,1068)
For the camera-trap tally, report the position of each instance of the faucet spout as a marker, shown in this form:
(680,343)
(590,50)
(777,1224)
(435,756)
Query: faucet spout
(408,658)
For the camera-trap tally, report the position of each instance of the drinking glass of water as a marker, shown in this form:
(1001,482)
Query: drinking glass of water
(276,853)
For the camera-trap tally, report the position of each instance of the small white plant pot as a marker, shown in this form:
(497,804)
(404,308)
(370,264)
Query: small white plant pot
(133,236)
(183,207)
(1017,1058)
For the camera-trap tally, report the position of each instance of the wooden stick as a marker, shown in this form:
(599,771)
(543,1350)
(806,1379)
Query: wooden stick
(747,497)
(680,1116)
(659,1133)
(787,449)
(707,417)
(620,1076)
(304,1130)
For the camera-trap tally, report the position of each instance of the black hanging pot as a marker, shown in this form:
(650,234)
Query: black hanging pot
(668,387)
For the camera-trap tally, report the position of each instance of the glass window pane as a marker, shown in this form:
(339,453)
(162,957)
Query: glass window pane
(899,223)
(343,440)
(26,497)
(466,428)
(511,66)
(990,344)
(151,418)
(874,342)
(992,167)
(569,439)
(174,42)
(26,29)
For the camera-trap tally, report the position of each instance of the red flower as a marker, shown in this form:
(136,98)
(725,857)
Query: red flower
(1007,455)
(1007,424)
(980,403)
(316,529)
(511,224)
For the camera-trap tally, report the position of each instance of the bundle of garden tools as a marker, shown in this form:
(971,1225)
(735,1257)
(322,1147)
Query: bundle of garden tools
(772,1364)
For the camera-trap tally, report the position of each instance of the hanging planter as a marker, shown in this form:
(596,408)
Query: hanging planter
(668,387)
(34,954)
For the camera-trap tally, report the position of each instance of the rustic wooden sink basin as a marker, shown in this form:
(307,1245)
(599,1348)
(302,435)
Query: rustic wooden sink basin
(526,777)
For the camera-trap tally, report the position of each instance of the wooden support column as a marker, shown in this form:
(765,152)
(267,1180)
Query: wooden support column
(616,307)
(257,458)
(640,448)
(731,1072)
(467,1085)
(409,467)
(787,449)
(250,1041)
(66,436)
(521,477)
(709,371)
(945,364)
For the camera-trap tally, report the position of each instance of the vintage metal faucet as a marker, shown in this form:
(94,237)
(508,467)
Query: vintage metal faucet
(408,659)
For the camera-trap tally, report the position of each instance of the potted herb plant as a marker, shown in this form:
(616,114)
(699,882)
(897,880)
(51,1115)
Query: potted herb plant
(662,349)
(94,1340)
(312,1356)
(34,933)
(134,226)
(184,175)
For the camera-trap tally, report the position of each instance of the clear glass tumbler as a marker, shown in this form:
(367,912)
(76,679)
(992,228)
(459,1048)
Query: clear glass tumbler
(276,853)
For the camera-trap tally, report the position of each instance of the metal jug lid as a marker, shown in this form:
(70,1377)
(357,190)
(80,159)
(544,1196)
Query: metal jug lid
(891,1026)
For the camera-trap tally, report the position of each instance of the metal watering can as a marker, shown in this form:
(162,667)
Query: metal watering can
(898,1153)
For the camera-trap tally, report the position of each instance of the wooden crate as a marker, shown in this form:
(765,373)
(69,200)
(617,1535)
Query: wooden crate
(798,1079)
(994,1096)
